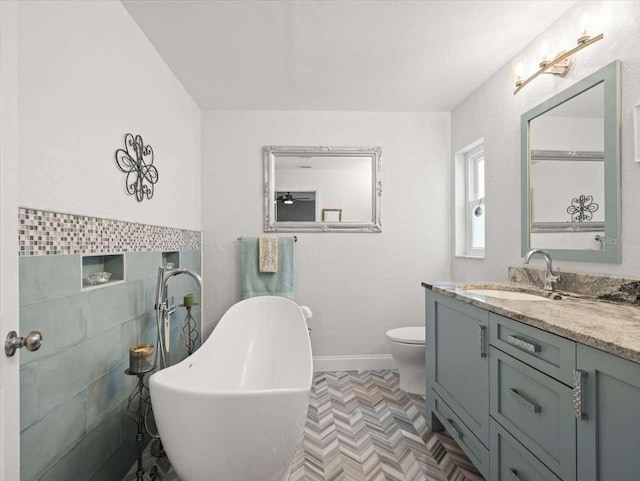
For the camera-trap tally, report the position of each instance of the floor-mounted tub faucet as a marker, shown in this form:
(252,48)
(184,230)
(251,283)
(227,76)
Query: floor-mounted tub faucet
(550,278)
(164,309)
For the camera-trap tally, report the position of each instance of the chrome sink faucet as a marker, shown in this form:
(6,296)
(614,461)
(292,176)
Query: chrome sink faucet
(550,278)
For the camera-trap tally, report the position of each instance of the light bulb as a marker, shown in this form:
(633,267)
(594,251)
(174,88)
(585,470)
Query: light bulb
(518,68)
(583,25)
(543,47)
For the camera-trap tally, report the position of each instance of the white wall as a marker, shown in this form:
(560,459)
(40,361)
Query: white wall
(87,76)
(493,112)
(358,285)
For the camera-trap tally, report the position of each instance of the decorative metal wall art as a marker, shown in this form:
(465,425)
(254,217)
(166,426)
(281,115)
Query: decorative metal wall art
(582,208)
(136,160)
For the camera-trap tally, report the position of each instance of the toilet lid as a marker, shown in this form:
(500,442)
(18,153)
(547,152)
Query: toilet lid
(407,335)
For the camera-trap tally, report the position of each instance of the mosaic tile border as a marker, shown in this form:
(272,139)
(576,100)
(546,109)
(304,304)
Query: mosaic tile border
(45,233)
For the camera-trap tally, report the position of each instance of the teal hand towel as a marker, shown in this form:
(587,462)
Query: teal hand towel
(256,283)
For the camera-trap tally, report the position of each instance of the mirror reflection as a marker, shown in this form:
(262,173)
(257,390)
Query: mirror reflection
(307,186)
(567,174)
(322,189)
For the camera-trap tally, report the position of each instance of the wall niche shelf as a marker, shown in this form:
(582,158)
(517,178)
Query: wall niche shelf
(112,263)
(172,258)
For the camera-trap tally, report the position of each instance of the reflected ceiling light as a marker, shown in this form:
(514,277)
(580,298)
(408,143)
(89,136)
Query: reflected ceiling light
(563,61)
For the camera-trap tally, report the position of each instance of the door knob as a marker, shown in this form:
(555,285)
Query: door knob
(32,342)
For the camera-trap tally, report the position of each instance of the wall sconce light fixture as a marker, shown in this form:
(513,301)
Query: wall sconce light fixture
(563,61)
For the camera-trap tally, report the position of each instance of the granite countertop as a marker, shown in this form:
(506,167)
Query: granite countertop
(613,327)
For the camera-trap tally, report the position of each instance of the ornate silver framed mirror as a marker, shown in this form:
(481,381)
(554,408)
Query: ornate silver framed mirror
(322,189)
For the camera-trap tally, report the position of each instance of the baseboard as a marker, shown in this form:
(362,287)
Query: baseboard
(353,363)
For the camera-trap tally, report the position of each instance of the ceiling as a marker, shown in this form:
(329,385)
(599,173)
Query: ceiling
(380,55)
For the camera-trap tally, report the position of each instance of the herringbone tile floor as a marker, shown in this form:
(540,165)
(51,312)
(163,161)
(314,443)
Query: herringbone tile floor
(362,427)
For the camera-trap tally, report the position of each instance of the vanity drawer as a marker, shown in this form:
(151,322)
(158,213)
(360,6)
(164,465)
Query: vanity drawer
(471,445)
(510,461)
(537,410)
(551,354)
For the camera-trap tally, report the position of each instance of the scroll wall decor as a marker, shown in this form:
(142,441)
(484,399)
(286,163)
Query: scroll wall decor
(136,160)
(582,208)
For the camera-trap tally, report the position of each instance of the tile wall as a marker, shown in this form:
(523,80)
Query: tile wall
(74,424)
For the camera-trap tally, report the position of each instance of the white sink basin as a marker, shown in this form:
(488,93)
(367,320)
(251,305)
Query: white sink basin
(514,296)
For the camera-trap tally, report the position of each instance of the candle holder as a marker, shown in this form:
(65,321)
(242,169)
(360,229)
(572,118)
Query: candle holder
(189,334)
(142,358)
(138,407)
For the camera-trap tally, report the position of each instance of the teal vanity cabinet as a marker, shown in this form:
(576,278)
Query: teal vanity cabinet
(458,373)
(528,405)
(607,408)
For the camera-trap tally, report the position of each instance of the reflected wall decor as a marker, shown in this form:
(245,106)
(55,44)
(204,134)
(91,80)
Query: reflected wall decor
(331,215)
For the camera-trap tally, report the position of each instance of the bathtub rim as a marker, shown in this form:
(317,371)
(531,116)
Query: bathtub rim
(162,384)
(227,393)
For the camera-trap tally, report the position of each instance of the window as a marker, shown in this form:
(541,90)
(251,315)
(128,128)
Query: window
(475,201)
(470,210)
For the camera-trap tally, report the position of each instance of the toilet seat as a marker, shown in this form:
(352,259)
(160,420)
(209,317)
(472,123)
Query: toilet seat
(407,335)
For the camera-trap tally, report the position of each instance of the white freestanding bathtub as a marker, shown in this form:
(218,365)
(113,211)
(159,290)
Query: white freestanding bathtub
(235,410)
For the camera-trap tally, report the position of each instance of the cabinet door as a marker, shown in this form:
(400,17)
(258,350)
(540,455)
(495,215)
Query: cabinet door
(457,360)
(537,410)
(609,426)
(511,461)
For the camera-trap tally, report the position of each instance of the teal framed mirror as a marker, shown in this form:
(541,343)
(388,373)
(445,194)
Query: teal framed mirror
(571,171)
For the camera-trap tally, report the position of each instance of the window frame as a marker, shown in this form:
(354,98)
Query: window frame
(472,199)
(465,199)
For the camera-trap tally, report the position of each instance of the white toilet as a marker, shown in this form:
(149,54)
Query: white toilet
(407,346)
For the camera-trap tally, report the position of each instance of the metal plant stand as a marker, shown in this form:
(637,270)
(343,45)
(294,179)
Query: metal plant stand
(138,407)
(189,334)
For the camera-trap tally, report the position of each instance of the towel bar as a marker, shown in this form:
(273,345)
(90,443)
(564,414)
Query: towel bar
(295,239)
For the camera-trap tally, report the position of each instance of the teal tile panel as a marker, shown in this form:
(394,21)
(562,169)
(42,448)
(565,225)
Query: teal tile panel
(62,322)
(28,281)
(59,276)
(90,454)
(140,265)
(46,440)
(66,373)
(107,392)
(112,305)
(28,395)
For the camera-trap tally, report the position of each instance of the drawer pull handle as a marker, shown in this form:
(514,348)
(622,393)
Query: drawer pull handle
(534,408)
(482,341)
(524,345)
(578,394)
(513,474)
(453,425)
